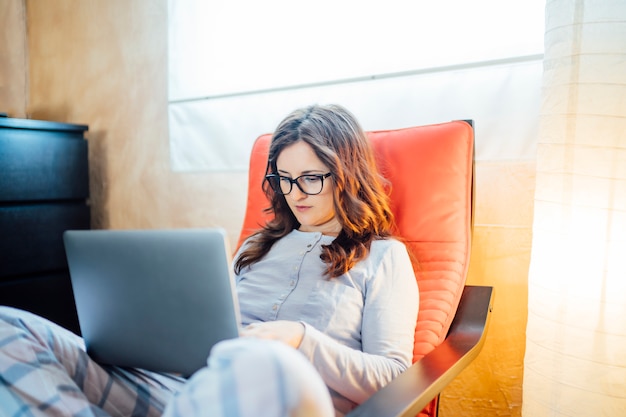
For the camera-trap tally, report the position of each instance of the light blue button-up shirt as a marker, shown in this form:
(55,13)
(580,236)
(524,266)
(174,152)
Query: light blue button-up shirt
(359,326)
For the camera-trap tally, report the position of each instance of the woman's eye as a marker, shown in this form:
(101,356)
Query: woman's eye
(310,179)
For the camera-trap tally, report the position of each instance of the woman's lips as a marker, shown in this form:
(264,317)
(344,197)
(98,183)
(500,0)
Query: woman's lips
(302,208)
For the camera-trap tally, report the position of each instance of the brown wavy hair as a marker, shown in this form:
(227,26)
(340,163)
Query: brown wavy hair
(360,192)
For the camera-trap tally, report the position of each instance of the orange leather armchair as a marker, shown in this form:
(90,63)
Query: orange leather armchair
(431,170)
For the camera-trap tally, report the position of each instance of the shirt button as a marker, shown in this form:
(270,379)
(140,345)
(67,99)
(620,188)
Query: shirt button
(275,307)
(292,282)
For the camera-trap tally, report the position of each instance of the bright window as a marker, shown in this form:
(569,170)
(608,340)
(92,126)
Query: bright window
(241,64)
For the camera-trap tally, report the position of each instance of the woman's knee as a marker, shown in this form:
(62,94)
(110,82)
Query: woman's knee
(28,338)
(253,377)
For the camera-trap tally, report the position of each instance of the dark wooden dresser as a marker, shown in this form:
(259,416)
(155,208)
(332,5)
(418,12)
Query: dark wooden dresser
(44,190)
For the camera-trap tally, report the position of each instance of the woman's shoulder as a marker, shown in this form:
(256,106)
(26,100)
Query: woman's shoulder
(387,244)
(390,249)
(390,260)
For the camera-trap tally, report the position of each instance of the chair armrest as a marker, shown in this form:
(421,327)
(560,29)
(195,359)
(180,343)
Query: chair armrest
(411,391)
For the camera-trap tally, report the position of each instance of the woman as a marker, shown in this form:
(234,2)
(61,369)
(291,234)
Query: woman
(324,276)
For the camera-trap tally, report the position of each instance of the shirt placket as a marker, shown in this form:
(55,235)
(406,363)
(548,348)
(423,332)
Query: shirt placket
(294,274)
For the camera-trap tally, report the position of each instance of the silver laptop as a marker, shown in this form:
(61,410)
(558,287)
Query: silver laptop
(153,299)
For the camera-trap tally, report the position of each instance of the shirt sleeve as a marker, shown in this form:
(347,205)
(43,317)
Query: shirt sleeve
(391,301)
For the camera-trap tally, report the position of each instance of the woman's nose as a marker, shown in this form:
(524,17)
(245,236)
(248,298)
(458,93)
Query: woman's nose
(297,194)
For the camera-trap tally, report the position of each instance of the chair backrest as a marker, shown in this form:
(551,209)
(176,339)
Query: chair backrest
(431,173)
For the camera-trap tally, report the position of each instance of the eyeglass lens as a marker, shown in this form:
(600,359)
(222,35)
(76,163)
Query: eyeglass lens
(308,184)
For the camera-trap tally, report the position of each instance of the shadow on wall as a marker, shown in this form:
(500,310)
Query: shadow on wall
(98,174)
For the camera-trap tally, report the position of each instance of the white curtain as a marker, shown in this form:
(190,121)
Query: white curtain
(575,363)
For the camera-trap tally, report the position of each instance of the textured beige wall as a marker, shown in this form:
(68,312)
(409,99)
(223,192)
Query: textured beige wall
(103,63)
(13,58)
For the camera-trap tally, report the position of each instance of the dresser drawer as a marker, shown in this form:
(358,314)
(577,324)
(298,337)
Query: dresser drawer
(40,165)
(50,295)
(32,236)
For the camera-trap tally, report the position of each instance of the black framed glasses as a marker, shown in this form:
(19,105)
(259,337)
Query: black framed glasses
(310,184)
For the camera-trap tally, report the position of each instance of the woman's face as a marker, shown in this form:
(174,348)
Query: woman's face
(315,213)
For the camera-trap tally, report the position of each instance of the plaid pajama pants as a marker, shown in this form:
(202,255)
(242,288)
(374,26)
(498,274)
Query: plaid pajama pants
(45,371)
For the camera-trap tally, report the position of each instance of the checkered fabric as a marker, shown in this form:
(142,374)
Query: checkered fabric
(45,371)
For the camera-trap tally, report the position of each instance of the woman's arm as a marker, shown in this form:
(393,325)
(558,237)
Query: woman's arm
(390,309)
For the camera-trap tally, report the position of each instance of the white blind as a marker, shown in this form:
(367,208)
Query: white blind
(237,66)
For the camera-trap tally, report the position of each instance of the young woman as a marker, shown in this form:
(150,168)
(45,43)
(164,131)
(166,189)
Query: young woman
(324,277)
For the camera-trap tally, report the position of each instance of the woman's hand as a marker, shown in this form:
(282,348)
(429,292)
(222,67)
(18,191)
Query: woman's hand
(289,332)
